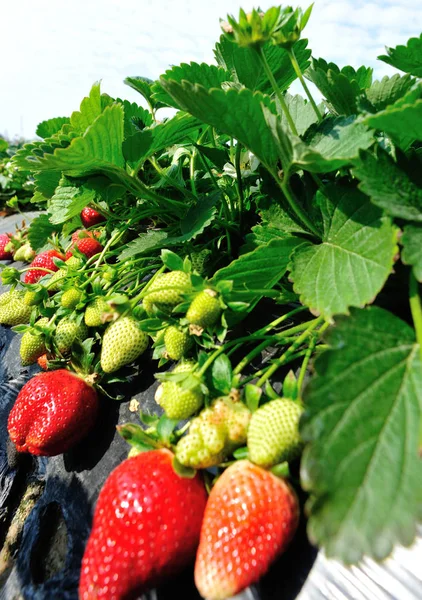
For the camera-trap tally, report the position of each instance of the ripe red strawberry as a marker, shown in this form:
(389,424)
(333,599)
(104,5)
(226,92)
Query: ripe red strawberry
(4,240)
(52,412)
(146,526)
(251,516)
(45,261)
(88,246)
(91,217)
(83,233)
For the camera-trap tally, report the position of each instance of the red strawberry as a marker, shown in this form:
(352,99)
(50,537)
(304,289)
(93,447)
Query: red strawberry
(52,412)
(91,217)
(45,261)
(87,246)
(83,233)
(4,240)
(42,362)
(146,526)
(251,516)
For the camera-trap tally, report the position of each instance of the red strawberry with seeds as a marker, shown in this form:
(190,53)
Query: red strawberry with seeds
(91,217)
(251,516)
(53,412)
(88,246)
(4,240)
(83,233)
(44,260)
(146,527)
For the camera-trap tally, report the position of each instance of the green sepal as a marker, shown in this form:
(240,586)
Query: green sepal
(134,435)
(253,395)
(182,471)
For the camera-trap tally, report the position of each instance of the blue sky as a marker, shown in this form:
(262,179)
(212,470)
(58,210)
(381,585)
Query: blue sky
(53,50)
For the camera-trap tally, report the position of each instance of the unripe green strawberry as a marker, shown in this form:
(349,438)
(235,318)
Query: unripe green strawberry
(24,253)
(176,401)
(13,310)
(214,434)
(123,342)
(94,310)
(56,281)
(32,298)
(71,298)
(67,332)
(273,435)
(32,346)
(205,309)
(199,260)
(177,342)
(166,291)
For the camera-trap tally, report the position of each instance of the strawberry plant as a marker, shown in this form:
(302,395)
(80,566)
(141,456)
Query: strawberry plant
(251,224)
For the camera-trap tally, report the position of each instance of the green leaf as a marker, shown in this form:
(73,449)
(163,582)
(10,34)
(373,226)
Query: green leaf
(50,127)
(143,144)
(260,235)
(388,185)
(258,270)
(46,182)
(340,93)
(355,257)
(143,85)
(218,156)
(246,68)
(90,109)
(40,230)
(412,248)
(136,118)
(387,91)
(171,260)
(363,76)
(3,145)
(208,76)
(301,111)
(98,149)
(402,123)
(406,58)
(222,374)
(362,420)
(226,110)
(199,216)
(145,242)
(68,201)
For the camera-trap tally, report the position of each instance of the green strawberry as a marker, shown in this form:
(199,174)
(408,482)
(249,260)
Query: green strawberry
(273,435)
(57,279)
(214,434)
(32,298)
(67,331)
(32,345)
(71,298)
(199,260)
(24,253)
(166,291)
(13,310)
(205,309)
(94,310)
(177,342)
(123,342)
(176,401)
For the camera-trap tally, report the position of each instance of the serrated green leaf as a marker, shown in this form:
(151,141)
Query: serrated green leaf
(340,93)
(363,76)
(100,147)
(40,230)
(143,144)
(261,235)
(90,109)
(355,257)
(403,123)
(301,112)
(68,201)
(199,216)
(388,185)
(226,110)
(362,420)
(143,85)
(171,260)
(406,58)
(46,182)
(412,248)
(136,118)
(208,76)
(145,242)
(218,156)
(387,91)
(246,68)
(222,374)
(50,127)
(258,270)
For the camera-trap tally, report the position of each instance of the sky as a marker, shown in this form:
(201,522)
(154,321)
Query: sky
(54,50)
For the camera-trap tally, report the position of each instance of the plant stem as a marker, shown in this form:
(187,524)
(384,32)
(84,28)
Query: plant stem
(276,89)
(416,309)
(239,182)
(288,360)
(298,72)
(192,170)
(307,357)
(296,208)
(280,361)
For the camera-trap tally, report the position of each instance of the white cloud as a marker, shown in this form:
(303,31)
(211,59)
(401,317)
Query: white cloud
(57,49)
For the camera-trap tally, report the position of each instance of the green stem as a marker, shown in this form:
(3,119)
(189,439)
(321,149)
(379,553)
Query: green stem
(416,308)
(239,183)
(135,300)
(276,89)
(288,360)
(307,358)
(192,171)
(280,361)
(296,208)
(298,72)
